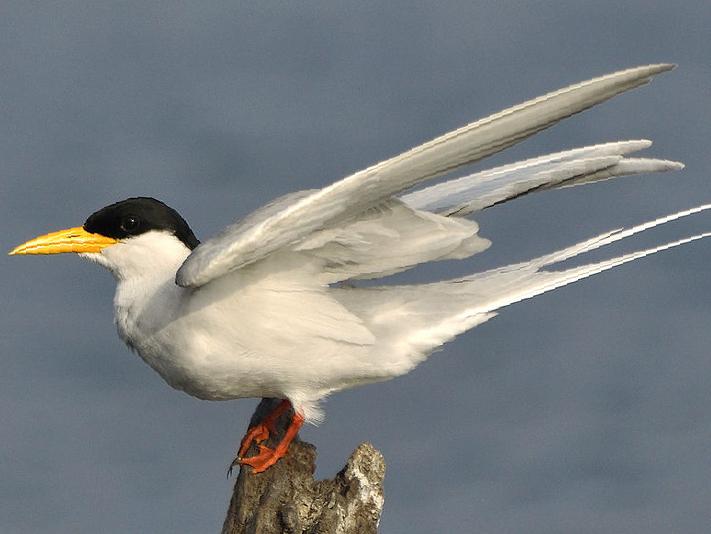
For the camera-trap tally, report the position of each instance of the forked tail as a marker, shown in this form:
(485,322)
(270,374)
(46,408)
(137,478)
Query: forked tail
(411,321)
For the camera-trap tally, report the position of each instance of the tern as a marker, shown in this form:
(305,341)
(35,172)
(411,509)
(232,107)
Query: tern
(271,307)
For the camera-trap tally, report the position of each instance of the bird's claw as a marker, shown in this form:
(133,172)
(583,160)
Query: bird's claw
(264,459)
(231,467)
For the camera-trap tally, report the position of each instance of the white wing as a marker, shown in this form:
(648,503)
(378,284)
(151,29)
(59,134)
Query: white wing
(475,192)
(427,225)
(387,239)
(295,218)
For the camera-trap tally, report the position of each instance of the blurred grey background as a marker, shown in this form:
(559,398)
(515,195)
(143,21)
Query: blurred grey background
(584,410)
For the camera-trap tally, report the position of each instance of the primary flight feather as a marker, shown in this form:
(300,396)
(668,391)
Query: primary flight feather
(257,311)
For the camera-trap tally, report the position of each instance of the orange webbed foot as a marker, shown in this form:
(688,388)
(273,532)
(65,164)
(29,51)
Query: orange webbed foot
(263,460)
(258,434)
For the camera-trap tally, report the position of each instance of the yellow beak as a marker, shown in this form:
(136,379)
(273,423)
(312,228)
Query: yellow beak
(69,240)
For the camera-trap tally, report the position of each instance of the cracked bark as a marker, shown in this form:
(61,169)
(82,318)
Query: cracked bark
(286,498)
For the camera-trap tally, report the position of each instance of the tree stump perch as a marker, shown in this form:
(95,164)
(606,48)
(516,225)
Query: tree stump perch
(286,498)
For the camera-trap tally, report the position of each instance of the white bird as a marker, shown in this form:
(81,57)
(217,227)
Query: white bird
(258,310)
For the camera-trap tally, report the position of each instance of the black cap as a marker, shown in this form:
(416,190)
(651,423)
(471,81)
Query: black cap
(135,216)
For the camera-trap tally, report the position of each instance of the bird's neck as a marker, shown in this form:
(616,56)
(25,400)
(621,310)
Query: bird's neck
(144,268)
(144,304)
(149,257)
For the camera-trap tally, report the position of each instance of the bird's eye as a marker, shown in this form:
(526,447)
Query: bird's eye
(130,223)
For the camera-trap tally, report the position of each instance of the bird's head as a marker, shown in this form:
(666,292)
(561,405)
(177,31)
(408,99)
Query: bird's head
(127,237)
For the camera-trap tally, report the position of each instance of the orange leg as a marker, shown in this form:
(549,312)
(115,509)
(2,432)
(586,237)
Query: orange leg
(268,457)
(262,430)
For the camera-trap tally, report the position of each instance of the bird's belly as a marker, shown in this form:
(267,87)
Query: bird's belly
(255,343)
(187,347)
(199,366)
(214,366)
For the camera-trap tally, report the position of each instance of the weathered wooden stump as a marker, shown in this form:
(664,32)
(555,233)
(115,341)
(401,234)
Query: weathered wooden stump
(286,498)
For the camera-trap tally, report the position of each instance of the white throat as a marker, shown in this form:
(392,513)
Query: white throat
(144,268)
(154,254)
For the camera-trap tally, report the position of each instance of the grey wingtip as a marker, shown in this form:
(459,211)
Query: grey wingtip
(657,68)
(647,72)
(670,165)
(666,66)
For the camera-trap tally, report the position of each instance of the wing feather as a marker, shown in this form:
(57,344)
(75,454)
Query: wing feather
(387,239)
(466,195)
(255,238)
